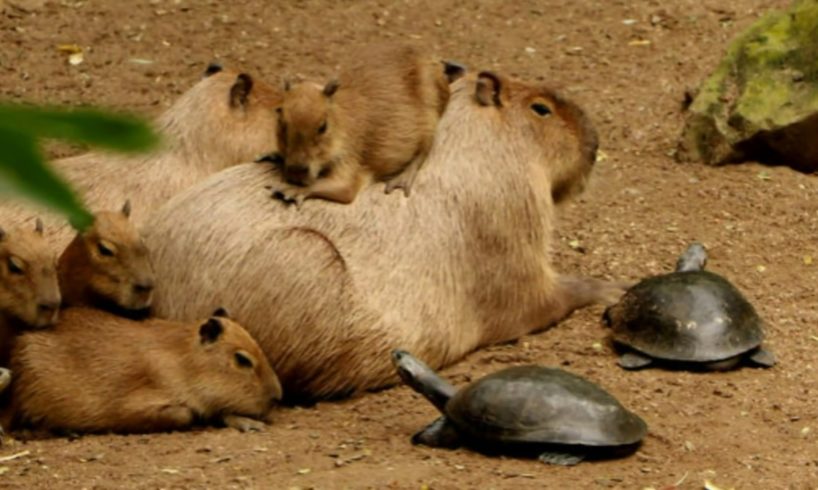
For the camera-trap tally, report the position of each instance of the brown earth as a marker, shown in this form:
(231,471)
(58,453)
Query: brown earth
(751,429)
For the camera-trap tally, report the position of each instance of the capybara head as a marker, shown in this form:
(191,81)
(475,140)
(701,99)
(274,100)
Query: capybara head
(308,132)
(108,265)
(29,290)
(227,118)
(541,112)
(234,374)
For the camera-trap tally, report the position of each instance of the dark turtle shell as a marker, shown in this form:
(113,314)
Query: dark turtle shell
(691,316)
(535,404)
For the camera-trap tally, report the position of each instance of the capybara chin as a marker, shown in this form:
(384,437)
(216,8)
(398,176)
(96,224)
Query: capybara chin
(107,266)
(96,372)
(375,122)
(226,118)
(330,291)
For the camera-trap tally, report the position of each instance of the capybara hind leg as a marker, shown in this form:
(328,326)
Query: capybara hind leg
(575,292)
(243,424)
(406,178)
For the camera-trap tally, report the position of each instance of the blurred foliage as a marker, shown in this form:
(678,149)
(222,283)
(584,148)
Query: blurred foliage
(23,170)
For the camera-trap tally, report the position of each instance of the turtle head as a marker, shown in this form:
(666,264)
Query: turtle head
(693,259)
(421,378)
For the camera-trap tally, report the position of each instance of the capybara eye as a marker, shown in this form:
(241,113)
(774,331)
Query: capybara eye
(15,265)
(104,250)
(322,128)
(243,361)
(541,109)
(325,171)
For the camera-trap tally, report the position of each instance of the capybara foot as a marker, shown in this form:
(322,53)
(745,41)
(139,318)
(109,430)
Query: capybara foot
(243,424)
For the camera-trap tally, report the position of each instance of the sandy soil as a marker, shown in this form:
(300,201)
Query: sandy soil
(744,429)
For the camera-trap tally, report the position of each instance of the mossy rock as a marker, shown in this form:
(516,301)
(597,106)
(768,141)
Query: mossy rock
(761,103)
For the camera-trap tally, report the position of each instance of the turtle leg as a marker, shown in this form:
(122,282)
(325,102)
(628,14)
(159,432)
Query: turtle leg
(562,459)
(762,357)
(633,360)
(440,433)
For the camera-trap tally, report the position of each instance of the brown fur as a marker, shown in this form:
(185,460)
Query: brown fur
(107,265)
(96,372)
(380,122)
(463,264)
(206,130)
(29,292)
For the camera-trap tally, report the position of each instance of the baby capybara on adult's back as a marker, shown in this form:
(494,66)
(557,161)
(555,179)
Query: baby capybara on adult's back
(376,121)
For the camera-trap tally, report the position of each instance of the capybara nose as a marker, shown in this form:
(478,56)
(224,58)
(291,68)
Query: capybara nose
(296,174)
(143,287)
(47,307)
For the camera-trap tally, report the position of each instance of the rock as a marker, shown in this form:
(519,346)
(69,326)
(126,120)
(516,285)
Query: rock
(761,102)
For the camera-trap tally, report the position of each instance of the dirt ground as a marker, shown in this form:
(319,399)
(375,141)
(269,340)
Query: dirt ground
(628,63)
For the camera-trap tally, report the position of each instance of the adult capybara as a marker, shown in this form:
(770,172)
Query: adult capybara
(328,291)
(225,119)
(375,122)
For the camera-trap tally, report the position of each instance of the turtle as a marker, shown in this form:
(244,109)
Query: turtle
(531,410)
(690,318)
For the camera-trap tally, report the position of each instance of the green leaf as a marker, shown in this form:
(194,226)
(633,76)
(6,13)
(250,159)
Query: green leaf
(85,126)
(23,172)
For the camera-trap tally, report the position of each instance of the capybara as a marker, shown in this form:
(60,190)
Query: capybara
(29,290)
(107,266)
(330,291)
(375,122)
(225,119)
(97,372)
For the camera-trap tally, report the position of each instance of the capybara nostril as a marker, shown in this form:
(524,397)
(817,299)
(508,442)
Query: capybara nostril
(143,287)
(46,307)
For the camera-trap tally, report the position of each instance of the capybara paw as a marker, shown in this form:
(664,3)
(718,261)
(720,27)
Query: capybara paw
(400,182)
(244,424)
(290,195)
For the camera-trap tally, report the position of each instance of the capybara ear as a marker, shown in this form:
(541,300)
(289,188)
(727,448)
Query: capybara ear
(488,89)
(38,226)
(126,208)
(210,331)
(453,70)
(331,87)
(221,312)
(212,68)
(241,90)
